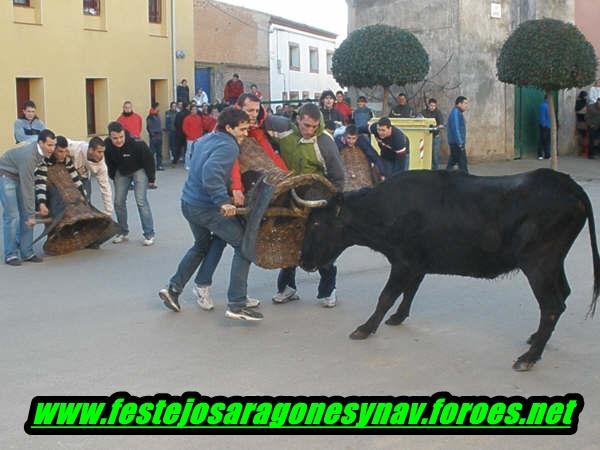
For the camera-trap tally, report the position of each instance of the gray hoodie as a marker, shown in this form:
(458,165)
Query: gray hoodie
(20,163)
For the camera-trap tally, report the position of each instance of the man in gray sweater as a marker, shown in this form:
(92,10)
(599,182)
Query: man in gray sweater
(17,167)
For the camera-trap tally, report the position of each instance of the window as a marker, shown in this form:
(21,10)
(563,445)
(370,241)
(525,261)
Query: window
(159,92)
(27,12)
(294,56)
(91,7)
(30,89)
(154,11)
(329,61)
(96,104)
(89,106)
(314,59)
(294,95)
(317,95)
(284,95)
(22,93)
(305,95)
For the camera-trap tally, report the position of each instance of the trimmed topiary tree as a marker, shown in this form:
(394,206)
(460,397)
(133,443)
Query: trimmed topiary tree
(550,55)
(380,55)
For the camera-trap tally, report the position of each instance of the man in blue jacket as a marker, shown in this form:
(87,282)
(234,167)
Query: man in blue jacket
(206,205)
(544,123)
(457,135)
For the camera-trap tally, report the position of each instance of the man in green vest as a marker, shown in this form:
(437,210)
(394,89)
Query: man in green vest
(306,147)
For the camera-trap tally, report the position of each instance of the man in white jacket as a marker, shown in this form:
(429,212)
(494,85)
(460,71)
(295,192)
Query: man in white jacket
(88,159)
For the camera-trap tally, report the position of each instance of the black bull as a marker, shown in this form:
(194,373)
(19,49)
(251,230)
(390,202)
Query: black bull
(450,223)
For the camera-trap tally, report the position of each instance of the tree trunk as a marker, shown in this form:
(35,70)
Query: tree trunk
(553,130)
(385,111)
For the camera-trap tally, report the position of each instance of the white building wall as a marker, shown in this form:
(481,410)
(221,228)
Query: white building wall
(285,80)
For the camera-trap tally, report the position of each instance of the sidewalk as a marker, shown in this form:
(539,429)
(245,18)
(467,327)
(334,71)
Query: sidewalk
(580,168)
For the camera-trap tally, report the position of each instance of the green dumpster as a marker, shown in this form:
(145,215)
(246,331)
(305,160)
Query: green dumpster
(419,133)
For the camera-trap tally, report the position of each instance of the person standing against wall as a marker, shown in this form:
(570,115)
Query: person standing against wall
(457,135)
(432,112)
(154,128)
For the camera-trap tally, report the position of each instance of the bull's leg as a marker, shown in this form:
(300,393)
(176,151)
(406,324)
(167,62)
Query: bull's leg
(393,288)
(404,309)
(551,290)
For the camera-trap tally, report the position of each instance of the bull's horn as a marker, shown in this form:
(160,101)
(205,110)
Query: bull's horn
(308,203)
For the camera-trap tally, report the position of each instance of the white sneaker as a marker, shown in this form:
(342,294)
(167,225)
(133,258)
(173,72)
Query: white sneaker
(120,238)
(329,302)
(148,241)
(252,302)
(203,297)
(540,158)
(287,295)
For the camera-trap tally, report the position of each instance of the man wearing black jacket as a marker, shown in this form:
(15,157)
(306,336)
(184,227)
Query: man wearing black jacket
(129,160)
(180,142)
(394,146)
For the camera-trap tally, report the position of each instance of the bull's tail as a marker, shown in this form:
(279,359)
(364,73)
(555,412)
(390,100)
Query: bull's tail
(595,257)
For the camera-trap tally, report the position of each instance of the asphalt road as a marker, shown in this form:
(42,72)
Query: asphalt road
(91,323)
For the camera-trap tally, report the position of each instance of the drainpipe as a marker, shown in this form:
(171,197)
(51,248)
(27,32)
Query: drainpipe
(173,57)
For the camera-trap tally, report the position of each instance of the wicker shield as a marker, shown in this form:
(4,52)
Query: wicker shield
(76,224)
(359,173)
(279,237)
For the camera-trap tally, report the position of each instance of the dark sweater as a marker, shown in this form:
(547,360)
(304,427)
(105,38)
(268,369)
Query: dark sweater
(435,114)
(133,156)
(331,114)
(390,145)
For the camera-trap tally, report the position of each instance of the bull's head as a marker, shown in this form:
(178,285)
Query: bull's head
(324,236)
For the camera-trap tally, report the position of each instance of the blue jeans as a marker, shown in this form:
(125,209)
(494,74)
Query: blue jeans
(188,154)
(435,152)
(394,166)
(203,222)
(140,182)
(173,143)
(210,262)
(287,277)
(156,149)
(18,237)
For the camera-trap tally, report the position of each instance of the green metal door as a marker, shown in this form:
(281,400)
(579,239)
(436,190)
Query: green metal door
(527,133)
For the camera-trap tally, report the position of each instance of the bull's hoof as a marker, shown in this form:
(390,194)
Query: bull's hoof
(359,334)
(396,319)
(522,365)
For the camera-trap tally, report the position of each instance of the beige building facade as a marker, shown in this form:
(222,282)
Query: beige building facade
(78,60)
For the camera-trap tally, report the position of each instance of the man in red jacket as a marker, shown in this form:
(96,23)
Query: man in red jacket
(342,107)
(131,121)
(233,89)
(194,126)
(250,104)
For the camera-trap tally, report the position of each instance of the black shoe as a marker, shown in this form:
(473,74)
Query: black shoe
(94,246)
(160,168)
(243,314)
(34,259)
(591,157)
(170,299)
(14,261)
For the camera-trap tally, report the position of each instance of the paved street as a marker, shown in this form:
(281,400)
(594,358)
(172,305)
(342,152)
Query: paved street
(91,323)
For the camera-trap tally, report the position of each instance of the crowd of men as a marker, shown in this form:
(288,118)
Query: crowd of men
(209,142)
